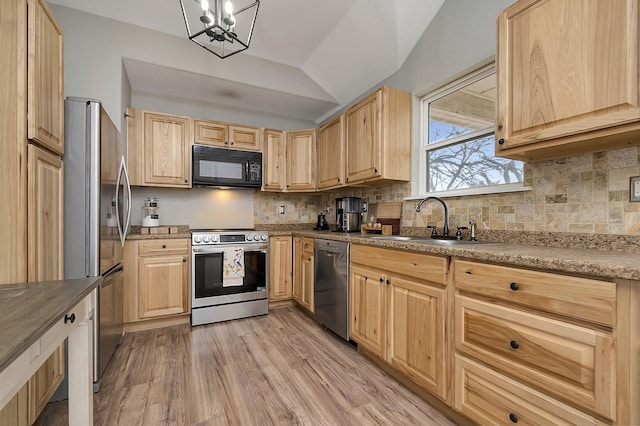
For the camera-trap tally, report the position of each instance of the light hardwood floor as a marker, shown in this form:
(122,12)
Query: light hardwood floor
(282,368)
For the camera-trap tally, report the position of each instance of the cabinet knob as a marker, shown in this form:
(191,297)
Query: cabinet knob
(514,286)
(226,143)
(388,282)
(375,170)
(501,141)
(230,143)
(70,318)
(186,181)
(513,418)
(338,179)
(381,279)
(164,246)
(468,271)
(499,126)
(184,259)
(514,344)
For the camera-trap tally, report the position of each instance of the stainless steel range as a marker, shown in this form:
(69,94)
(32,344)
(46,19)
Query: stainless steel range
(229,277)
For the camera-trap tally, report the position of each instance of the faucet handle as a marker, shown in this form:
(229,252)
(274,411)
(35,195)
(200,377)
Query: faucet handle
(434,231)
(459,230)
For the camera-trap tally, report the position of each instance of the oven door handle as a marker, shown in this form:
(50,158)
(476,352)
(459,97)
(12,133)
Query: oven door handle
(210,250)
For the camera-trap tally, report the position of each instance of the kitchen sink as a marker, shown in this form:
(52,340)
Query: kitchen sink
(430,241)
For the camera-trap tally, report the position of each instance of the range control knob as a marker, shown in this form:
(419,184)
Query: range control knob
(197,239)
(263,237)
(206,238)
(256,237)
(248,237)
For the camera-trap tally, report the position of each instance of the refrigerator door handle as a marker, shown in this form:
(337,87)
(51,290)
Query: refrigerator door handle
(123,228)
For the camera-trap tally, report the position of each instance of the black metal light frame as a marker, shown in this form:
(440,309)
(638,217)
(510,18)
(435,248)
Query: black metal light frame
(217,33)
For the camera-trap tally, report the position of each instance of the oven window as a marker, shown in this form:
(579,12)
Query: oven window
(219,169)
(208,274)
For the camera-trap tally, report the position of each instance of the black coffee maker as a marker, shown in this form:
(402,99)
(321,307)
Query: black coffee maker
(322,222)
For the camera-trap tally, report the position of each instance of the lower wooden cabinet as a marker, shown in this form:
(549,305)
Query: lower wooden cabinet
(400,318)
(303,272)
(15,413)
(157,279)
(488,397)
(280,268)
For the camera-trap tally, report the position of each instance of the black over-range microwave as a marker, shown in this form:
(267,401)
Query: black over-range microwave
(226,167)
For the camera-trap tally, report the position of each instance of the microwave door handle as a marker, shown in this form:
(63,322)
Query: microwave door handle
(247,178)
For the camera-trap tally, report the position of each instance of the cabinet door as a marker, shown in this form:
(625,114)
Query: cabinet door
(331,154)
(44,215)
(301,159)
(45,79)
(363,129)
(306,278)
(45,249)
(15,413)
(273,171)
(566,68)
(162,286)
(210,133)
(167,160)
(245,138)
(367,310)
(417,337)
(297,270)
(280,268)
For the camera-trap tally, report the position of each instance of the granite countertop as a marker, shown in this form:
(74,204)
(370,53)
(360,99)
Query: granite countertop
(29,310)
(582,261)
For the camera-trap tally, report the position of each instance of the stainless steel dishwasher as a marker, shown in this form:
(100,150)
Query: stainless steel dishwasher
(331,286)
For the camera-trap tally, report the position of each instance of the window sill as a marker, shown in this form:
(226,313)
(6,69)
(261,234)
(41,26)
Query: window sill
(485,190)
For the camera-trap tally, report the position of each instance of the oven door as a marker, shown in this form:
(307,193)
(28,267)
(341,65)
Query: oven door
(207,287)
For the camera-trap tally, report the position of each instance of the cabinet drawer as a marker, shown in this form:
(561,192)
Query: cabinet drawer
(572,363)
(420,266)
(581,298)
(161,247)
(488,397)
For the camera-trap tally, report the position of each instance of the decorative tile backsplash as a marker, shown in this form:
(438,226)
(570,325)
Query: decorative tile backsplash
(587,194)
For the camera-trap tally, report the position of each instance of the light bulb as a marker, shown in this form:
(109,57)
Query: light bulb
(204,4)
(228,7)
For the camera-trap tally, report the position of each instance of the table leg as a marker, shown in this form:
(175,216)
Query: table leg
(80,373)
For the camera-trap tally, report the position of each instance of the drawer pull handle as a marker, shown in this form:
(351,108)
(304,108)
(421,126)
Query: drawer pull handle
(514,286)
(514,344)
(164,246)
(513,418)
(70,318)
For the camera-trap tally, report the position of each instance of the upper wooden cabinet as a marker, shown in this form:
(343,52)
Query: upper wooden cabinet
(567,73)
(45,117)
(220,134)
(300,154)
(331,154)
(159,147)
(378,137)
(273,160)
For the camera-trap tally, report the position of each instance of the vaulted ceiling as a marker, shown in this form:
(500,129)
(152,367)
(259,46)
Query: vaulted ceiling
(344,47)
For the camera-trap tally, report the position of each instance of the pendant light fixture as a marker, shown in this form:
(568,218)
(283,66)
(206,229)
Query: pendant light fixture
(218,26)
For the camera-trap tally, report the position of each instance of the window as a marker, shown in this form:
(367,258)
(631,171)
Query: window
(458,142)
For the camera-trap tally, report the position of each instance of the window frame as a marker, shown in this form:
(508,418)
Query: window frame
(424,145)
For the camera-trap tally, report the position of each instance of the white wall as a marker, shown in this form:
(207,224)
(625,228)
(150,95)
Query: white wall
(197,207)
(94,48)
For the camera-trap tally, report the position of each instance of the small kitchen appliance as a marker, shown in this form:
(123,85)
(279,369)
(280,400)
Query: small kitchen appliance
(348,214)
(322,222)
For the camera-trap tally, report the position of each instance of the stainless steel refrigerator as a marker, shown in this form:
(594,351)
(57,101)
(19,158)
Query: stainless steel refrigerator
(97,206)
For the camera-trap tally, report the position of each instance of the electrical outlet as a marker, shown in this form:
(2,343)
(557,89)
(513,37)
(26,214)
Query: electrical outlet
(281,209)
(634,189)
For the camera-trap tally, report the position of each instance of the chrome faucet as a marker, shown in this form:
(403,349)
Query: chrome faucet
(445,229)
